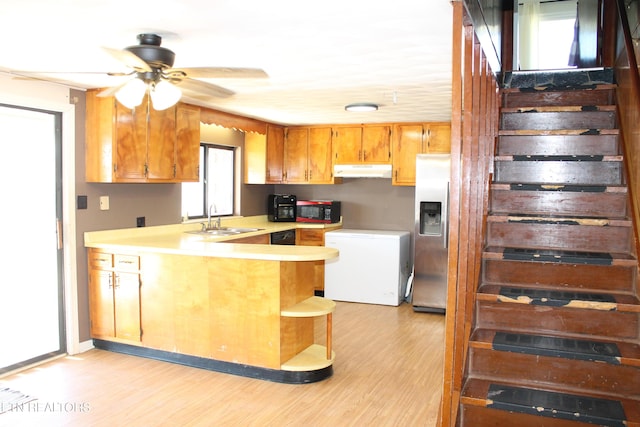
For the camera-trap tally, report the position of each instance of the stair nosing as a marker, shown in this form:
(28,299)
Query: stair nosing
(512,132)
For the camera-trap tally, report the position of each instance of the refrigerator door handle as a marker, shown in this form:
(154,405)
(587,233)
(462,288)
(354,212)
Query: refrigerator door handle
(445,218)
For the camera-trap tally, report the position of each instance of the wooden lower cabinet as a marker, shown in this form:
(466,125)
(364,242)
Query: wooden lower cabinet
(315,237)
(244,311)
(114,296)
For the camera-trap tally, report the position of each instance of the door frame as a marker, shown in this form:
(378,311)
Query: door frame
(57,98)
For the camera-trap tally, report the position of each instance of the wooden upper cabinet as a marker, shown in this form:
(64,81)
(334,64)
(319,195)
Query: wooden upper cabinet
(263,156)
(296,153)
(130,142)
(140,144)
(275,154)
(319,156)
(347,145)
(187,143)
(307,156)
(412,139)
(376,144)
(161,144)
(362,144)
(439,138)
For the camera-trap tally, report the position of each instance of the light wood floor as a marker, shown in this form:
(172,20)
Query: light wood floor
(388,372)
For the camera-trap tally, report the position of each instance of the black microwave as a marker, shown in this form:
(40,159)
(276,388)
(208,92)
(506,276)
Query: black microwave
(281,208)
(318,211)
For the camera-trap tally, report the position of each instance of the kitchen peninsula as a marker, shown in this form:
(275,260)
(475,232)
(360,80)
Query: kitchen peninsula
(249,309)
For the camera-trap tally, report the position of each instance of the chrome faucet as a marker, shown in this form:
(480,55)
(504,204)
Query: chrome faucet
(213,206)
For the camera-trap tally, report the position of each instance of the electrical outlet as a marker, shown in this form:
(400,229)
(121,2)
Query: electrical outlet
(104,203)
(82,202)
(140,221)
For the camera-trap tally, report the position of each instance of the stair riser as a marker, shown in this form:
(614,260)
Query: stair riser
(543,172)
(558,120)
(542,320)
(557,373)
(566,203)
(477,416)
(556,275)
(513,99)
(558,145)
(563,237)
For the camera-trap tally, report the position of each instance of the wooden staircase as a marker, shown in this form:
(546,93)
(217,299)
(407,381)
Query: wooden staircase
(555,339)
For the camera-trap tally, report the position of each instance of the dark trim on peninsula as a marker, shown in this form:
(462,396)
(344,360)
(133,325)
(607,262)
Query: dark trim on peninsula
(274,375)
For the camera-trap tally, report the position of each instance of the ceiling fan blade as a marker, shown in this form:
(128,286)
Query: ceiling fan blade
(203,90)
(218,72)
(110,91)
(129,59)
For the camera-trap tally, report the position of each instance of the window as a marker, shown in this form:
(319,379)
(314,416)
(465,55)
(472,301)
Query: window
(215,187)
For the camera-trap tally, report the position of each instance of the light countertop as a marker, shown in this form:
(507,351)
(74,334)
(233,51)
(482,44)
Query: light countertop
(173,239)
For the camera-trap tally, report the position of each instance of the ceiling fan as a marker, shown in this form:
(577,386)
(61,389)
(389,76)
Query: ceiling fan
(151,66)
(151,71)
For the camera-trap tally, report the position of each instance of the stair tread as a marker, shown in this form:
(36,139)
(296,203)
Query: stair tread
(592,300)
(559,158)
(558,220)
(557,256)
(476,392)
(515,132)
(557,108)
(523,186)
(602,86)
(560,346)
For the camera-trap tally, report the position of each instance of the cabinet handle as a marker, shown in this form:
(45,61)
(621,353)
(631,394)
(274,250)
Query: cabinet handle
(117,284)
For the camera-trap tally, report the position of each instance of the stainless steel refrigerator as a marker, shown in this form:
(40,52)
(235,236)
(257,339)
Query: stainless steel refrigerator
(429,288)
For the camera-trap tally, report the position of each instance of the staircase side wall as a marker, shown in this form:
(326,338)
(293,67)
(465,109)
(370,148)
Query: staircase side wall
(474,127)
(628,96)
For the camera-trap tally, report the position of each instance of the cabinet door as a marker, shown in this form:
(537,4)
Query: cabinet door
(101,303)
(319,156)
(347,145)
(130,144)
(161,144)
(127,306)
(439,138)
(275,155)
(187,153)
(295,155)
(309,237)
(376,144)
(407,142)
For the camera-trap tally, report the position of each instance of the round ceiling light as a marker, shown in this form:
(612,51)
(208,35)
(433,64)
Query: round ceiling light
(361,107)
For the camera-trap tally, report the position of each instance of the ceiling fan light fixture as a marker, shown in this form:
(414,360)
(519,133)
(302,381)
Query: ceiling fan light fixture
(131,94)
(164,95)
(361,107)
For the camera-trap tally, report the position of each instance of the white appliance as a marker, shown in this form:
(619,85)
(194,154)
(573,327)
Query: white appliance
(372,266)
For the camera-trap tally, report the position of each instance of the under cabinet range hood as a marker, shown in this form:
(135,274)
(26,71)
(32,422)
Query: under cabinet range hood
(362,171)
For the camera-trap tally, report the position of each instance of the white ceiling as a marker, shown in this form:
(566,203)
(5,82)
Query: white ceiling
(319,55)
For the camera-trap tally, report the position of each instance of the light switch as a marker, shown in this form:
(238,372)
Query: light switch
(104,203)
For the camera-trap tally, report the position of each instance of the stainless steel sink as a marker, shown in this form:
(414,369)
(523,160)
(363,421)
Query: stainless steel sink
(241,229)
(223,231)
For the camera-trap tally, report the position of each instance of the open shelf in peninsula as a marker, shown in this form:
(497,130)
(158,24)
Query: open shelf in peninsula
(315,356)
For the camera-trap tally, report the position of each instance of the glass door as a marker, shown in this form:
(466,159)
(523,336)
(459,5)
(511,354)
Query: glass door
(31,291)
